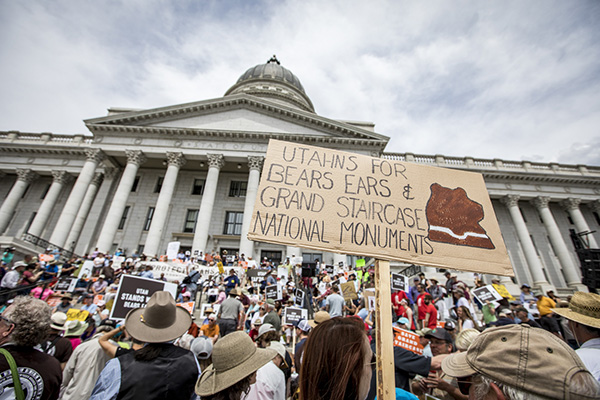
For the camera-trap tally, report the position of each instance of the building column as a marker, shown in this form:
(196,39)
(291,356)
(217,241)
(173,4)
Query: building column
(135,158)
(533,261)
(572,207)
(60,178)
(24,178)
(84,210)
(215,163)
(71,208)
(569,268)
(161,210)
(255,165)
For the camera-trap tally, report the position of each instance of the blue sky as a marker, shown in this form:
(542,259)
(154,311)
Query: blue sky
(513,80)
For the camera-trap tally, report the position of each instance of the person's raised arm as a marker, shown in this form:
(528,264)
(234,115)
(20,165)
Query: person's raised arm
(109,348)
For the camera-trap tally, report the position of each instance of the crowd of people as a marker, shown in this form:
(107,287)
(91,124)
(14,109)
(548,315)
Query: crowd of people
(241,344)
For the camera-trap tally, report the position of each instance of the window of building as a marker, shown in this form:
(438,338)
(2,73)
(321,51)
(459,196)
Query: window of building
(198,187)
(190,221)
(124,217)
(140,249)
(136,182)
(45,192)
(30,221)
(569,218)
(273,256)
(149,216)
(311,257)
(159,183)
(238,189)
(534,245)
(233,223)
(523,214)
(597,217)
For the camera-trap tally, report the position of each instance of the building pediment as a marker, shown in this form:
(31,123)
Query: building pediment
(242,114)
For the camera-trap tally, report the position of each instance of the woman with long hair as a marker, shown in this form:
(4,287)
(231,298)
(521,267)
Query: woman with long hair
(465,319)
(336,362)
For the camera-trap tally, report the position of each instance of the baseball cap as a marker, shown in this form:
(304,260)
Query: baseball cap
(439,333)
(202,347)
(423,332)
(303,325)
(403,321)
(528,359)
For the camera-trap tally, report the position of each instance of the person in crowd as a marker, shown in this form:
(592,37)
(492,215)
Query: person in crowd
(439,385)
(334,304)
(403,323)
(232,281)
(425,342)
(414,291)
(202,348)
(336,369)
(266,335)
(450,281)
(302,331)
(397,297)
(519,362)
(319,318)
(99,261)
(33,272)
(210,330)
(194,329)
(84,367)
(75,329)
(548,319)
(147,273)
(420,304)
(11,281)
(583,315)
(88,304)
(68,267)
(406,312)
(114,343)
(141,374)
(431,314)
(523,316)
(51,271)
(465,338)
(526,295)
(235,362)
(108,272)
(270,380)
(465,319)
(271,316)
(505,317)
(99,287)
(489,313)
(65,304)
(55,344)
(231,314)
(23,325)
(438,293)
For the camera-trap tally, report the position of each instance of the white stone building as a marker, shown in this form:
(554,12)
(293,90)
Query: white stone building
(190,172)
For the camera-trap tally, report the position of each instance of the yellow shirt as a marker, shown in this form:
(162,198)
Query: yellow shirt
(544,305)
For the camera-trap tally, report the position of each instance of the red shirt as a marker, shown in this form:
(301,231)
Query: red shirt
(396,298)
(432,311)
(420,307)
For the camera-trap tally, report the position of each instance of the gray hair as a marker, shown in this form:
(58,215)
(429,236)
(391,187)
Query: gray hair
(465,338)
(31,317)
(582,386)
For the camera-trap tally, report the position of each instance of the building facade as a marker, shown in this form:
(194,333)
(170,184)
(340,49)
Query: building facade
(189,173)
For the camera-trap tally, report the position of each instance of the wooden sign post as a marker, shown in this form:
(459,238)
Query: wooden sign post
(384,337)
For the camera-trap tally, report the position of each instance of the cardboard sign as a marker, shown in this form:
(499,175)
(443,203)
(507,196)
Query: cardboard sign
(299,298)
(172,250)
(76,314)
(135,292)
(407,340)
(66,284)
(370,299)
(293,315)
(399,282)
(486,293)
(502,291)
(86,269)
(349,291)
(330,200)
(188,306)
(220,267)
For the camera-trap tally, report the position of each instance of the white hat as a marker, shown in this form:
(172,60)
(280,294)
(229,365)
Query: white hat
(58,321)
(279,348)
(264,328)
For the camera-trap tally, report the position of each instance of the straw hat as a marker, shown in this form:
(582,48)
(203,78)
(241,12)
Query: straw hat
(320,316)
(75,328)
(234,358)
(161,320)
(583,308)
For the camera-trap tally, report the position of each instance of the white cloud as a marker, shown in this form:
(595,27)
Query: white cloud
(506,80)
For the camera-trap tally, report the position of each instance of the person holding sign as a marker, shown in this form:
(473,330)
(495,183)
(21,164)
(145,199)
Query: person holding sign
(334,304)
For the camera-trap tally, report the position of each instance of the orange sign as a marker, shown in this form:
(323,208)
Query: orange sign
(441,324)
(407,340)
(189,306)
(53,301)
(98,298)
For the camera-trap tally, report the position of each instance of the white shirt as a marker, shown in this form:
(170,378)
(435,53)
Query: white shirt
(270,384)
(11,279)
(589,352)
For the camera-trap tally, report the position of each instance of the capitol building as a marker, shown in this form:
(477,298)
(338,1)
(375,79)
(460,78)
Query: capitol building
(189,173)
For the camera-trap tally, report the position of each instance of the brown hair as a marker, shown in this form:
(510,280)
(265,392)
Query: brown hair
(333,360)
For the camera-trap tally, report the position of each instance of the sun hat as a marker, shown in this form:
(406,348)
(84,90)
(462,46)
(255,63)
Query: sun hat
(75,328)
(403,321)
(258,322)
(303,325)
(66,297)
(271,302)
(234,291)
(264,328)
(109,322)
(320,316)
(101,303)
(234,357)
(280,349)
(209,310)
(584,308)
(202,347)
(529,359)
(58,321)
(161,320)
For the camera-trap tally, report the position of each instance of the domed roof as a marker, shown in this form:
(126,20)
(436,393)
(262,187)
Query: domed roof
(275,82)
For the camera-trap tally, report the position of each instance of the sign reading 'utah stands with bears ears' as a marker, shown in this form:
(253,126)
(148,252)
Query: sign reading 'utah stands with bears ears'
(343,202)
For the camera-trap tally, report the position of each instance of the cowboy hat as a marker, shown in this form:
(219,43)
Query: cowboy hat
(584,308)
(161,320)
(234,358)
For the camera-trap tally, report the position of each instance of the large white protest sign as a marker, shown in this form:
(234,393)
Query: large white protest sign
(86,269)
(172,250)
(329,200)
(135,292)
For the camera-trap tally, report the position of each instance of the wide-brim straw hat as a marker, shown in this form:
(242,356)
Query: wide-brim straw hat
(320,316)
(75,328)
(583,308)
(234,358)
(161,321)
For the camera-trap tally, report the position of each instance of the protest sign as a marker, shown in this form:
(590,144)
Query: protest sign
(486,293)
(296,260)
(271,292)
(349,291)
(86,269)
(53,301)
(117,261)
(220,267)
(135,292)
(411,271)
(407,340)
(329,269)
(188,306)
(299,298)
(205,307)
(213,292)
(330,200)
(66,284)
(98,298)
(370,299)
(77,314)
(501,289)
(293,315)
(172,250)
(282,273)
(257,275)
(399,282)
(251,264)
(360,262)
